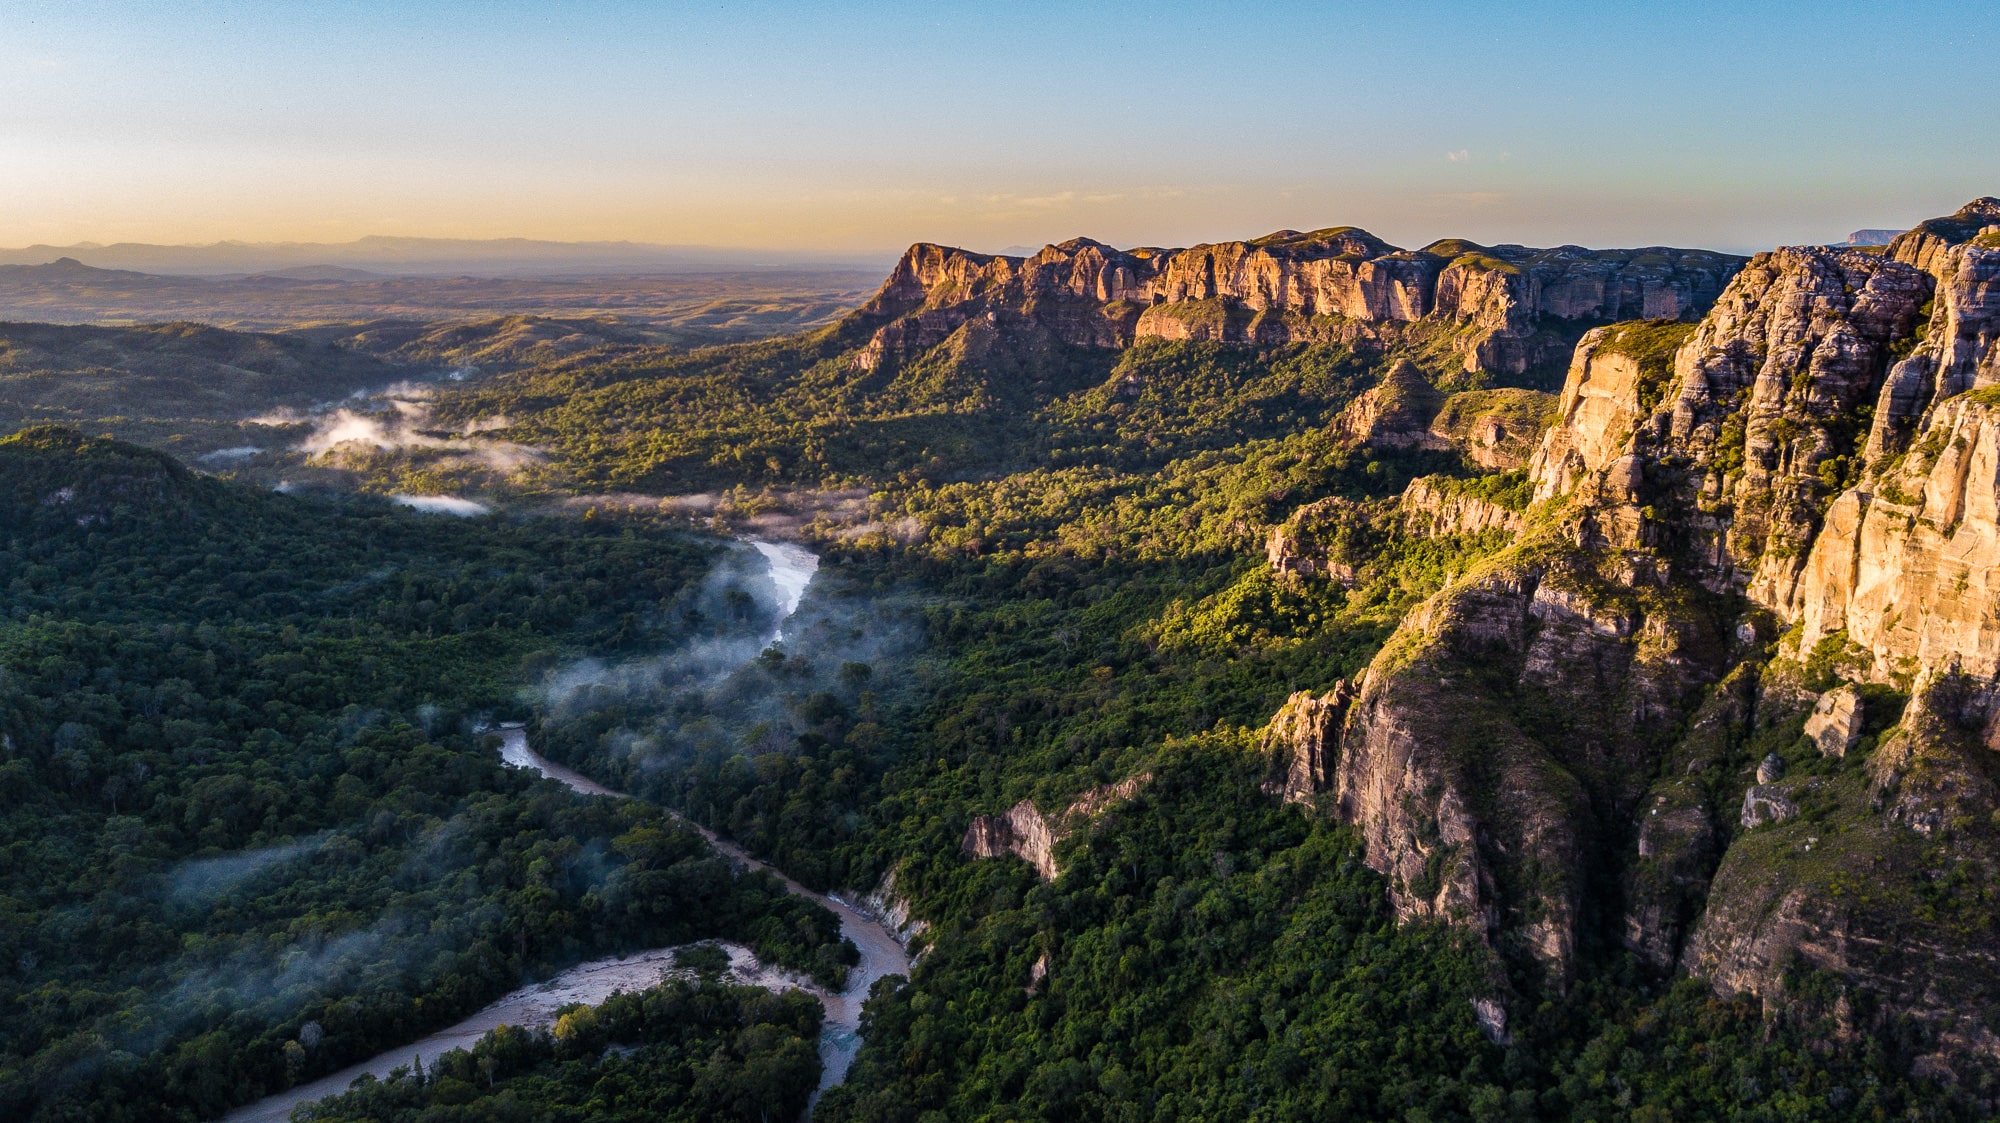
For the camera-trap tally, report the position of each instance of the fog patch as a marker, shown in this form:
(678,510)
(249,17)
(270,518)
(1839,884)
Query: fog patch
(399,418)
(226,455)
(735,612)
(207,879)
(783,650)
(441,505)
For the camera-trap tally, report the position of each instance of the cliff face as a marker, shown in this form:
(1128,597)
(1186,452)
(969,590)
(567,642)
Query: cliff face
(1602,400)
(1303,741)
(1339,283)
(1431,508)
(1600,730)
(1479,809)
(1026,834)
(1908,565)
(1760,423)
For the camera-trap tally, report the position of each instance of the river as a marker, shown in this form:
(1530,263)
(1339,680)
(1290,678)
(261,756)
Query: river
(792,569)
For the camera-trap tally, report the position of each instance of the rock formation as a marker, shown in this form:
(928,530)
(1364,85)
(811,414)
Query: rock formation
(1394,413)
(1835,725)
(1023,831)
(1303,741)
(1020,831)
(1818,458)
(1432,507)
(1339,283)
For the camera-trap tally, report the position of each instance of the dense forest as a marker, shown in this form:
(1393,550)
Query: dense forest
(245,728)
(247,790)
(1205,952)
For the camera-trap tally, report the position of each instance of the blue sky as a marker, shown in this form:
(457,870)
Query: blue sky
(865,126)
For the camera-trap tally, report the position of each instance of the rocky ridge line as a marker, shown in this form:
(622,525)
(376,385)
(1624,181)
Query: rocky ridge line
(1340,283)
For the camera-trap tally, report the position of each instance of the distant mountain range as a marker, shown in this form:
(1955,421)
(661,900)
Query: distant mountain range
(686,307)
(493,257)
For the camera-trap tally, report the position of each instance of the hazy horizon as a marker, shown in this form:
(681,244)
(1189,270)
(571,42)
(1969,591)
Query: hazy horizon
(854,132)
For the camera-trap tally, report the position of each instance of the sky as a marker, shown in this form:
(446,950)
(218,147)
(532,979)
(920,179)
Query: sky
(862,127)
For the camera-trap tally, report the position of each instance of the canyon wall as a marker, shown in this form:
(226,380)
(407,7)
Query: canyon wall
(1340,283)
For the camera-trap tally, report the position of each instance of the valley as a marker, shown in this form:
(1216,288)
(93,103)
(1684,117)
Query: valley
(1290,678)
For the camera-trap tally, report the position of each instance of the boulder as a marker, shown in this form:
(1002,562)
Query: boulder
(1766,803)
(1835,724)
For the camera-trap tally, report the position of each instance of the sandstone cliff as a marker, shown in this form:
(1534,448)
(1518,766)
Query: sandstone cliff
(1432,507)
(1339,283)
(1600,730)
(1303,742)
(1481,810)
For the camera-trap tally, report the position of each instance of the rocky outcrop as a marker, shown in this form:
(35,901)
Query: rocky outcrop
(1020,831)
(1879,897)
(1394,413)
(1757,469)
(1303,742)
(1434,506)
(1835,725)
(1323,539)
(1908,565)
(887,906)
(1603,398)
(1755,466)
(1766,803)
(1338,283)
(1498,430)
(1786,362)
(1478,811)
(1023,831)
(1580,711)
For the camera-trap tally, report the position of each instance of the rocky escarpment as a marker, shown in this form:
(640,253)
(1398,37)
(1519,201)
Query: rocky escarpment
(1761,423)
(1796,457)
(1340,283)
(1907,566)
(1601,730)
(1480,810)
(1025,833)
(1869,875)
(1616,377)
(1436,506)
(1303,742)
